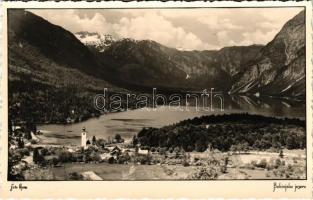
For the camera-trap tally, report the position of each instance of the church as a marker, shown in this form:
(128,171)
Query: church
(84,141)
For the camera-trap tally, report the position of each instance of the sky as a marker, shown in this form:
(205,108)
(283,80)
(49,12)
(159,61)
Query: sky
(189,29)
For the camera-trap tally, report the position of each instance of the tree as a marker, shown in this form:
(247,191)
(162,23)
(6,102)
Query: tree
(244,147)
(233,148)
(135,140)
(118,137)
(20,143)
(28,135)
(208,172)
(109,140)
(177,152)
(101,142)
(37,157)
(74,176)
(111,160)
(94,140)
(290,142)
(281,154)
(257,145)
(12,174)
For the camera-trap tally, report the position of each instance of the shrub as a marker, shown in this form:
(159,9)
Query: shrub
(254,163)
(44,152)
(74,176)
(283,163)
(22,152)
(262,164)
(55,161)
(26,152)
(143,159)
(117,137)
(16,156)
(123,159)
(277,163)
(111,160)
(204,173)
(281,153)
(249,166)
(186,163)
(65,156)
(94,157)
(223,169)
(162,151)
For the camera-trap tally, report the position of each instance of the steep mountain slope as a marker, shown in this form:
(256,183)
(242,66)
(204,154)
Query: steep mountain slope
(61,57)
(233,59)
(53,77)
(54,56)
(279,70)
(150,64)
(50,54)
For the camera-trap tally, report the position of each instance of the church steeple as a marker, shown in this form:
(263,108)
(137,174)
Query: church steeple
(84,138)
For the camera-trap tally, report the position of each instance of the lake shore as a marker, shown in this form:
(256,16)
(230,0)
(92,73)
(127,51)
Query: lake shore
(228,146)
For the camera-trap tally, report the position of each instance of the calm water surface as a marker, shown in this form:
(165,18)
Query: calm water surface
(129,123)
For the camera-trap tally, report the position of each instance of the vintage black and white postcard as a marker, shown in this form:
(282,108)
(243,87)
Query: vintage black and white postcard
(152,99)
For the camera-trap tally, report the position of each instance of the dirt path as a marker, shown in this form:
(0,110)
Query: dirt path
(130,174)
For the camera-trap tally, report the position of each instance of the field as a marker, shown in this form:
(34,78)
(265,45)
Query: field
(239,168)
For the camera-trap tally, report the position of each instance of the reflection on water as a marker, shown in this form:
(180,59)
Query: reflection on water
(130,122)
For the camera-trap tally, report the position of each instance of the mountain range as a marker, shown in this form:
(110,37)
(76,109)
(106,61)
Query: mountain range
(52,55)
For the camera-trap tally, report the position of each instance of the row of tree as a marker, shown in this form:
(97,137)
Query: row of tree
(248,133)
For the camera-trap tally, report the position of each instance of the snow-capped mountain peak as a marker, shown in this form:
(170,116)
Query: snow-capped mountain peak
(96,40)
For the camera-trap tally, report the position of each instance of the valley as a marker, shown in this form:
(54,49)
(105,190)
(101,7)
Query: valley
(258,131)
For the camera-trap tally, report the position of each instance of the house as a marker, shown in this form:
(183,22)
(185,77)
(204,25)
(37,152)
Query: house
(143,152)
(125,151)
(70,150)
(116,151)
(15,128)
(105,156)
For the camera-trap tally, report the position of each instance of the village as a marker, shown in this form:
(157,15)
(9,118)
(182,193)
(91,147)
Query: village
(32,160)
(28,152)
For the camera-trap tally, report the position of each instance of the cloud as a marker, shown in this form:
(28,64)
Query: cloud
(180,28)
(155,27)
(150,26)
(70,20)
(260,36)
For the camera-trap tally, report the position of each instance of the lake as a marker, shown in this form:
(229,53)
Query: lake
(129,123)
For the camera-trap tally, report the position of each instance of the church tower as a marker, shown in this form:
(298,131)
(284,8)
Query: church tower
(84,138)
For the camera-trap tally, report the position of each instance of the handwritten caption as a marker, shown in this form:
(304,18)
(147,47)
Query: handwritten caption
(19,187)
(287,187)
